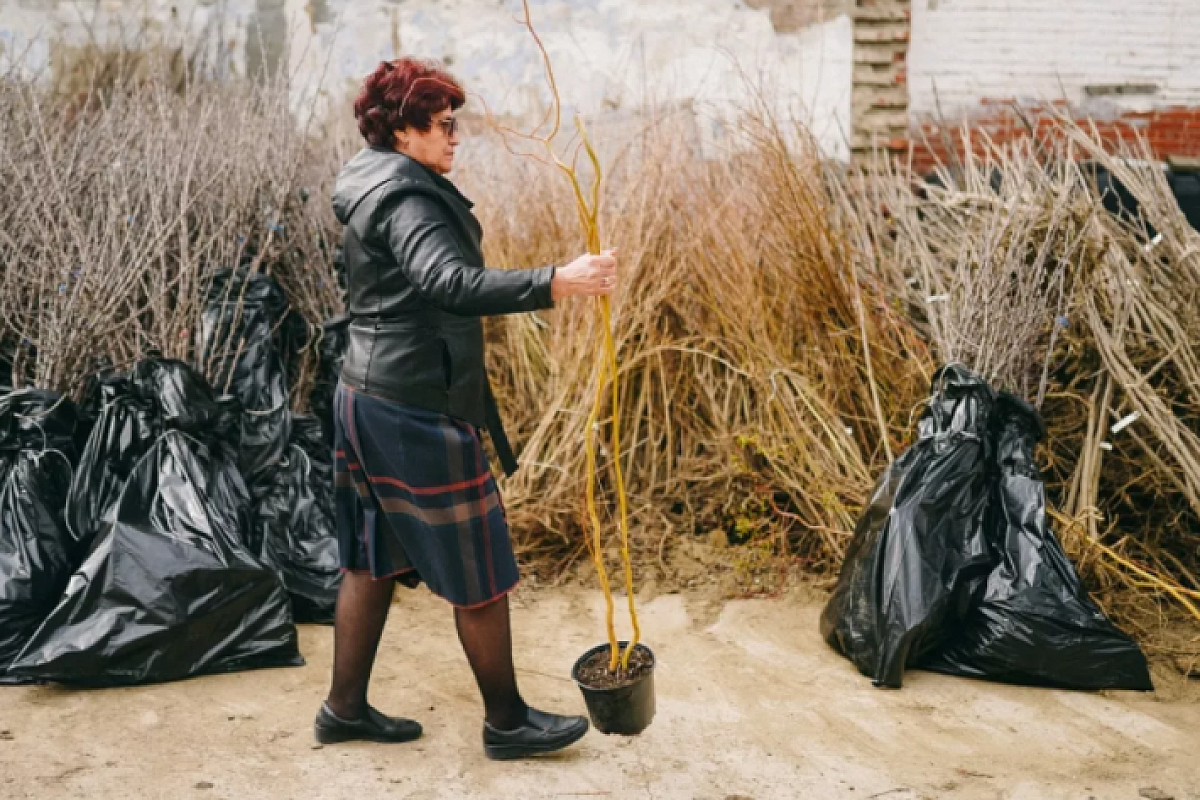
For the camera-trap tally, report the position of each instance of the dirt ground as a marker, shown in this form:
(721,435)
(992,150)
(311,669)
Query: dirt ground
(751,704)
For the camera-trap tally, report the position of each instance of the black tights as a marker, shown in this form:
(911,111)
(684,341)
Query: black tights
(486,637)
(485,633)
(362,609)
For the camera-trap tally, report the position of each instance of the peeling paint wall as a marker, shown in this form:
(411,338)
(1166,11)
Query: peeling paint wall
(789,16)
(613,57)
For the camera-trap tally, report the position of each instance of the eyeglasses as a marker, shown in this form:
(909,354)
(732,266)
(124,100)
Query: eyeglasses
(449,125)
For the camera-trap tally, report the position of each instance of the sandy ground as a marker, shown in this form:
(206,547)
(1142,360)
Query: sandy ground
(751,704)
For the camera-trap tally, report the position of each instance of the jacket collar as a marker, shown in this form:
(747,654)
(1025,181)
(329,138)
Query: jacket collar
(374,166)
(411,168)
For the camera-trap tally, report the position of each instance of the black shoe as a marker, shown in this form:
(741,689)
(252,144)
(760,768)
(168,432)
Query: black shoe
(541,733)
(371,727)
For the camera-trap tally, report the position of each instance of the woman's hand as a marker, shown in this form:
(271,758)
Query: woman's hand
(586,276)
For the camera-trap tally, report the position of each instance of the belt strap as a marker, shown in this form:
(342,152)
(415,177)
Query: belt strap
(495,429)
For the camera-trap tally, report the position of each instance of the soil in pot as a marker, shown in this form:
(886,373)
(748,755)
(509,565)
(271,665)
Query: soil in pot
(594,673)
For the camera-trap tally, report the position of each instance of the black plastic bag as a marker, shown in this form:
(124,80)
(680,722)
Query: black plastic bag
(159,395)
(265,435)
(38,419)
(238,349)
(335,334)
(36,553)
(1114,195)
(1036,623)
(919,552)
(1186,188)
(307,435)
(298,534)
(185,402)
(169,591)
(127,426)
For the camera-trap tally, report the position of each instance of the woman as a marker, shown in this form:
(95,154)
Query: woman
(415,497)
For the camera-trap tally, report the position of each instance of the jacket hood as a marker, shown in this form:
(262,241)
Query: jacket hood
(373,167)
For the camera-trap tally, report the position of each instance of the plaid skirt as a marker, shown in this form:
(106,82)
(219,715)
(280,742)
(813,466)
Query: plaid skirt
(415,500)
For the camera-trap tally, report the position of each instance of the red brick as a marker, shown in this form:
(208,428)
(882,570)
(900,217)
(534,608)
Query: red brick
(1171,131)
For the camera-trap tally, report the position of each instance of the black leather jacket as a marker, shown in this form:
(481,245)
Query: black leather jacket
(417,287)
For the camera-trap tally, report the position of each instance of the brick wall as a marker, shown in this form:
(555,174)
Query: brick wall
(1170,132)
(1129,66)
(880,95)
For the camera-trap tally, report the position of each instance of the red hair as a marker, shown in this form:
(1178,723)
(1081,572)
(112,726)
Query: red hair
(404,93)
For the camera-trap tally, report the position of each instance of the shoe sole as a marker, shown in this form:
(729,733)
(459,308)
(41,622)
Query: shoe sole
(326,736)
(509,752)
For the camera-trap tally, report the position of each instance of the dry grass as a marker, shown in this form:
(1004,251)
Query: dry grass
(742,325)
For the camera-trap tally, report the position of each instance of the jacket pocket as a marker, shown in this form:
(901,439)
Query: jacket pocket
(463,339)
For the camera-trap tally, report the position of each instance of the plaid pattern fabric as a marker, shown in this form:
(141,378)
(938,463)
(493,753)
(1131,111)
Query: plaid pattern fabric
(414,494)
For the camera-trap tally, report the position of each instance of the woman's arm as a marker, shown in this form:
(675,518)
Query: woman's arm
(430,257)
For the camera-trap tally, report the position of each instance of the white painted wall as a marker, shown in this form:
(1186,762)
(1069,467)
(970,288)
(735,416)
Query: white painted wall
(612,56)
(1042,49)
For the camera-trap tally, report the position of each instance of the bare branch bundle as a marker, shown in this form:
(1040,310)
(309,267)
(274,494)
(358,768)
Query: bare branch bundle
(117,210)
(994,254)
(1018,270)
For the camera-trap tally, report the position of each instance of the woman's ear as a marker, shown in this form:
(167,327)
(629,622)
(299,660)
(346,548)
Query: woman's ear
(400,139)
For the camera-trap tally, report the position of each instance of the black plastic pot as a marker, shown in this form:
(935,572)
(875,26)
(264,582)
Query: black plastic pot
(625,710)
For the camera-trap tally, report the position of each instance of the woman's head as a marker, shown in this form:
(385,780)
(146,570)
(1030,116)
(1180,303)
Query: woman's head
(407,104)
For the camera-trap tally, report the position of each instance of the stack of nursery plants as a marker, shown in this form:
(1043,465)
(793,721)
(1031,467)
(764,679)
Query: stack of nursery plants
(777,325)
(1013,265)
(159,255)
